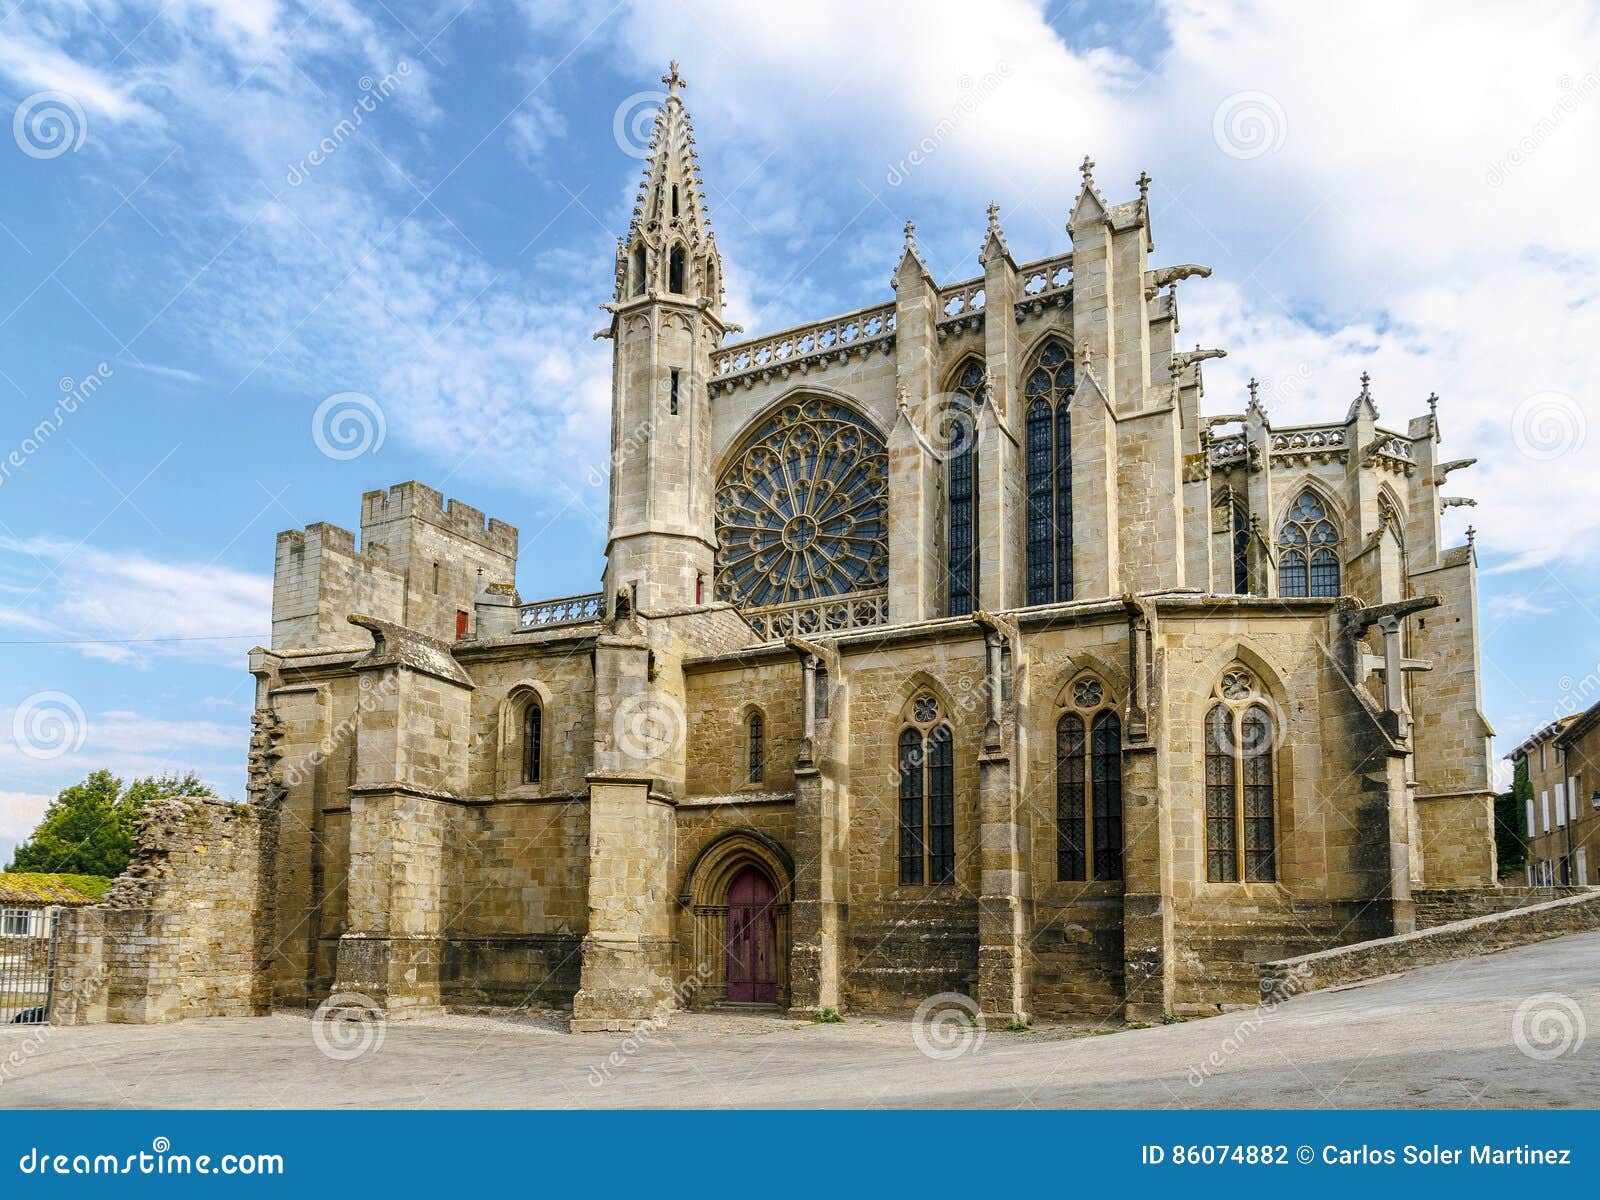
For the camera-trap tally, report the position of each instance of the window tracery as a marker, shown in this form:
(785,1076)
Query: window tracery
(802,509)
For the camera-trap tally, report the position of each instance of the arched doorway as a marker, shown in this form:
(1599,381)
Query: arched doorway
(752,939)
(734,935)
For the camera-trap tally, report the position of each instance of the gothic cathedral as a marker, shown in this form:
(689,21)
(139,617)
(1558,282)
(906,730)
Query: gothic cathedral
(945,645)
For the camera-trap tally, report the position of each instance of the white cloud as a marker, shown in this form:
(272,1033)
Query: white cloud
(125,599)
(1424,212)
(19,813)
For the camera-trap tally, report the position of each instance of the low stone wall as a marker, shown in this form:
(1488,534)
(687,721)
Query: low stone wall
(1442,943)
(182,932)
(1441,906)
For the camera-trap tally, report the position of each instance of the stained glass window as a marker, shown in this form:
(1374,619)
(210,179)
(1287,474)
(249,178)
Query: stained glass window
(1105,786)
(1071,848)
(532,742)
(960,437)
(1308,536)
(927,798)
(758,748)
(802,508)
(1089,786)
(1047,391)
(1240,799)
(912,847)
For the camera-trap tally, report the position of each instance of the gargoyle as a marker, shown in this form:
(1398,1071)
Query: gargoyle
(1155,280)
(1187,358)
(1455,464)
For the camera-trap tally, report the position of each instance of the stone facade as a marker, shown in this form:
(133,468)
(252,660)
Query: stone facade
(780,691)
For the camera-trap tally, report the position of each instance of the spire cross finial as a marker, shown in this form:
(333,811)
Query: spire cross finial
(1433,402)
(1365,380)
(911,235)
(1144,185)
(1253,386)
(1088,170)
(1472,535)
(672,79)
(994,217)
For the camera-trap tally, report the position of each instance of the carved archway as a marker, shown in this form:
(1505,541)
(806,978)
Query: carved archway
(705,897)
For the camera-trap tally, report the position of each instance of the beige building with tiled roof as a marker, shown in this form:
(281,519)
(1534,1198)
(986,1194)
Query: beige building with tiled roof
(1563,813)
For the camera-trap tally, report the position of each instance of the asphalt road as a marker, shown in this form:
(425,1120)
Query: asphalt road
(1520,1029)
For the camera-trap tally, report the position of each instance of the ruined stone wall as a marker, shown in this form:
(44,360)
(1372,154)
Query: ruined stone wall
(180,932)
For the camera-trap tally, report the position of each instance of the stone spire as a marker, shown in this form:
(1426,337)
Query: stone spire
(669,239)
(994,238)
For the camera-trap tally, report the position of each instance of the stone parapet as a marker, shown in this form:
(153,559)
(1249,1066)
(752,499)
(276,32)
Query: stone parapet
(1426,947)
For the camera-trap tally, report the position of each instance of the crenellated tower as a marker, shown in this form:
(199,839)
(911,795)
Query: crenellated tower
(666,321)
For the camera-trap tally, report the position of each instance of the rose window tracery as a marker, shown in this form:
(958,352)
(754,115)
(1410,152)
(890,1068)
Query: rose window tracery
(802,509)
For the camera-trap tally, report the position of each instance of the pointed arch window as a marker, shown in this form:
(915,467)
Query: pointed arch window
(532,742)
(960,436)
(1308,549)
(1240,547)
(1089,787)
(1240,775)
(927,843)
(675,271)
(756,729)
(1047,391)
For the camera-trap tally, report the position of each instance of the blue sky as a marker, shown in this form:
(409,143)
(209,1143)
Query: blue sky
(1398,191)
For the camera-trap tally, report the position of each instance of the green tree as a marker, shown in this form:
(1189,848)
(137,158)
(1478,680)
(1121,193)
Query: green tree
(1510,821)
(88,828)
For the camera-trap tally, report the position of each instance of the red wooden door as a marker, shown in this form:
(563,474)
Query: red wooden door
(752,940)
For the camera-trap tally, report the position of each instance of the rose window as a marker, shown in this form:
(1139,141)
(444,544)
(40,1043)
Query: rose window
(802,509)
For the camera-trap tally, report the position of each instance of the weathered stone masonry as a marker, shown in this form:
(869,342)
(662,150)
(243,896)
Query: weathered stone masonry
(810,742)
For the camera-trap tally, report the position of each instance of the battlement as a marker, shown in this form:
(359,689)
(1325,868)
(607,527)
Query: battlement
(418,500)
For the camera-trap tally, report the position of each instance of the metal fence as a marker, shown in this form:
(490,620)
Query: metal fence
(27,964)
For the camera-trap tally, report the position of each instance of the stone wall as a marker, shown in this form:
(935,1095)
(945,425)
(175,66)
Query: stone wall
(1441,906)
(1442,943)
(181,933)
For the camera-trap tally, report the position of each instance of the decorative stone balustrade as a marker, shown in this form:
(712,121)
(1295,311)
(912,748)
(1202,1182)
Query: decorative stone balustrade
(805,345)
(567,610)
(833,614)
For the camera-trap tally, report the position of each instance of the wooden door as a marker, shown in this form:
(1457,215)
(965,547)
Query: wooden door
(752,939)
